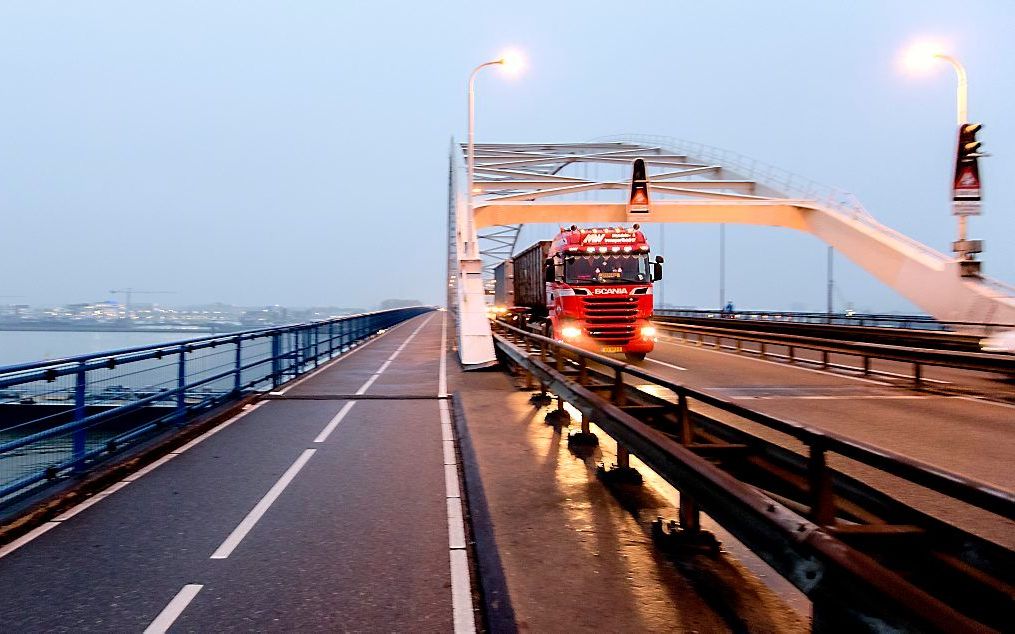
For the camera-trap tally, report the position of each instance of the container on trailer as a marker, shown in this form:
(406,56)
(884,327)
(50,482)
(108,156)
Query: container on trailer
(504,284)
(529,283)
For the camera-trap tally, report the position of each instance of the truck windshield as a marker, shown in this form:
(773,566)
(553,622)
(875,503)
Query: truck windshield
(606,269)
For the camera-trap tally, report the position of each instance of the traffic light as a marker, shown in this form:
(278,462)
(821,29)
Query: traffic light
(969,147)
(639,200)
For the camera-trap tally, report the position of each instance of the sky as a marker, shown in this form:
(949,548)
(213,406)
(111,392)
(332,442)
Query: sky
(296,152)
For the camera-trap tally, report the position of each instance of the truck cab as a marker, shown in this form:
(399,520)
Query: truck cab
(599,290)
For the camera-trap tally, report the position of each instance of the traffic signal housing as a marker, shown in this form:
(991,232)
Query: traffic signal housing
(969,147)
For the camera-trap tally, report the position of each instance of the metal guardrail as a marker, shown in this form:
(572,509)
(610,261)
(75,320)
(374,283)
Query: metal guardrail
(824,531)
(60,417)
(978,361)
(913,322)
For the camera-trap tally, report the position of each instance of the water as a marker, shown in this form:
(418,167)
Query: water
(24,347)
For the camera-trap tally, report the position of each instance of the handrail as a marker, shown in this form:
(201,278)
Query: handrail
(899,321)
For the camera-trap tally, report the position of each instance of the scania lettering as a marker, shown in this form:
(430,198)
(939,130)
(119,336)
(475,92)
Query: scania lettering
(589,287)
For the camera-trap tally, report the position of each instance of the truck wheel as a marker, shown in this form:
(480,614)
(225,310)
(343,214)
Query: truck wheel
(635,357)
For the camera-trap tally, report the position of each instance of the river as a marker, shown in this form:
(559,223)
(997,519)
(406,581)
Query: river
(24,347)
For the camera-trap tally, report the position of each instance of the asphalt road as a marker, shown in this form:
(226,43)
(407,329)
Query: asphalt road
(312,511)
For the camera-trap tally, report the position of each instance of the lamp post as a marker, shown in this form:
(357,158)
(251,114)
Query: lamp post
(966,196)
(509,62)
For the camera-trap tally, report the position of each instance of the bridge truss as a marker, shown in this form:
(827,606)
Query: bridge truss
(565,183)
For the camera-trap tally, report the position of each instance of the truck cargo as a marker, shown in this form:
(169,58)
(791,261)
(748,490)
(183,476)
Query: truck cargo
(591,288)
(504,284)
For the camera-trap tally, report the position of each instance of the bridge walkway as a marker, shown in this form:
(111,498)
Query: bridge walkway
(323,507)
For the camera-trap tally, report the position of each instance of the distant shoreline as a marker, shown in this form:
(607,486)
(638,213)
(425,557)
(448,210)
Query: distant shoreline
(98,327)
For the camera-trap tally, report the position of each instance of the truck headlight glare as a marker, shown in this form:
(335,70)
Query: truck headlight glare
(570,332)
(648,331)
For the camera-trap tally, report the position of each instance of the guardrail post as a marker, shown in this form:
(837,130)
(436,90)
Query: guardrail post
(918,374)
(820,480)
(688,514)
(239,365)
(824,358)
(763,349)
(617,394)
(80,437)
(181,386)
(684,419)
(276,360)
(791,353)
(866,365)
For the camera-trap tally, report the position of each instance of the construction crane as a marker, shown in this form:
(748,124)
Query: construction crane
(130,291)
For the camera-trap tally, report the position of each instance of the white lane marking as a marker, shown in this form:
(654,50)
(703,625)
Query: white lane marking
(986,402)
(366,386)
(456,524)
(113,488)
(384,366)
(172,611)
(442,376)
(261,507)
(461,594)
(451,481)
(668,365)
(335,361)
(95,499)
(333,423)
(27,537)
(783,365)
(461,585)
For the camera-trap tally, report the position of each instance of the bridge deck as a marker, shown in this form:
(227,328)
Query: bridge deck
(285,519)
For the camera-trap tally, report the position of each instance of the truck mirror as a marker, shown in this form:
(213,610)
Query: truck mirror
(657,272)
(548,273)
(660,259)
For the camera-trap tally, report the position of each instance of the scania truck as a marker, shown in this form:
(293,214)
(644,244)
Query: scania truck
(589,287)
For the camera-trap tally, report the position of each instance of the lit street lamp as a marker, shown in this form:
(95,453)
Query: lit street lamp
(511,62)
(966,187)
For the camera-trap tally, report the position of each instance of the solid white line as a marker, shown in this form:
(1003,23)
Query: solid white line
(171,612)
(442,376)
(456,524)
(668,365)
(781,365)
(986,402)
(384,366)
(836,397)
(449,452)
(255,514)
(451,481)
(95,499)
(330,427)
(27,537)
(461,594)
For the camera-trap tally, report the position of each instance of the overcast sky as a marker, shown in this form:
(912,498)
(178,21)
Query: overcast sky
(296,152)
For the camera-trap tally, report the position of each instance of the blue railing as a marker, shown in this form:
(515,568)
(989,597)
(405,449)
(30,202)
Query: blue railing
(60,417)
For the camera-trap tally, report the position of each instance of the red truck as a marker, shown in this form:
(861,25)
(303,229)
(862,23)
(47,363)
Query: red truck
(592,288)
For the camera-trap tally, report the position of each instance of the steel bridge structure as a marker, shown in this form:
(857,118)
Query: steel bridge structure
(565,183)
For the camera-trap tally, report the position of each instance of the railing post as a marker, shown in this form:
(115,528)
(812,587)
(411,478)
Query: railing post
(331,339)
(239,365)
(276,361)
(317,345)
(618,387)
(684,418)
(181,386)
(866,365)
(296,353)
(918,374)
(824,358)
(820,480)
(80,437)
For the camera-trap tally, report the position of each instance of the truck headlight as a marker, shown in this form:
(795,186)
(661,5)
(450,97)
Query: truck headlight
(570,332)
(648,331)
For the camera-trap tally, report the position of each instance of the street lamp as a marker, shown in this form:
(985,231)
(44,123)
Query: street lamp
(512,63)
(920,56)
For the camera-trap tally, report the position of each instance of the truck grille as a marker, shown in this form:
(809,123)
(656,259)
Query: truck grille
(611,319)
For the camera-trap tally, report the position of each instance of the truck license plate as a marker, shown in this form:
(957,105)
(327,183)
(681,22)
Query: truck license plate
(612,348)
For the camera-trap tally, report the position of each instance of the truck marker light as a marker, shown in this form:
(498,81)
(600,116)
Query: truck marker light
(616,249)
(627,249)
(570,332)
(590,250)
(602,249)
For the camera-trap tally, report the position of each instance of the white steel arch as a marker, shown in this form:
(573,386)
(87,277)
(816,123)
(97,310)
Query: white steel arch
(525,183)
